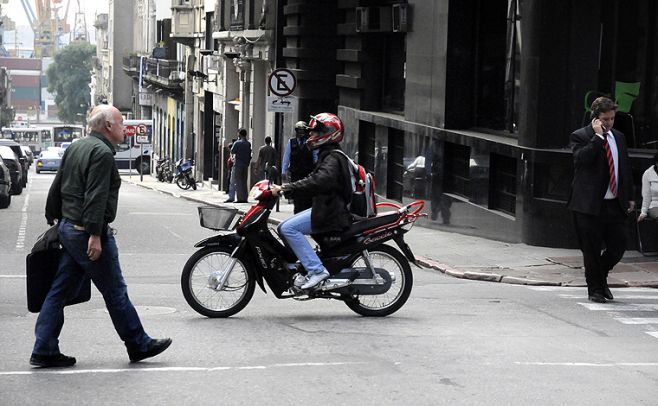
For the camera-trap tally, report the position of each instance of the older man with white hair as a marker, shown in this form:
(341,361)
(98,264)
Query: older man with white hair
(83,198)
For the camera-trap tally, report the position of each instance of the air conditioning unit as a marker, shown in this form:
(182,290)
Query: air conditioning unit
(401,17)
(393,18)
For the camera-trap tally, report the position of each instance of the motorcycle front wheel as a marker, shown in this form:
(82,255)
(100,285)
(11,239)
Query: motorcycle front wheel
(390,259)
(182,182)
(199,283)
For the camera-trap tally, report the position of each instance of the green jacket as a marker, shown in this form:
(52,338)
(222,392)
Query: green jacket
(86,188)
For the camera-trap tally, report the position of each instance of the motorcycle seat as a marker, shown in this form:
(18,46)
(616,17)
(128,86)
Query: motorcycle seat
(357,227)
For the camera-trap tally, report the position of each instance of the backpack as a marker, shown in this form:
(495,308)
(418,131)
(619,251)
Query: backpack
(363,189)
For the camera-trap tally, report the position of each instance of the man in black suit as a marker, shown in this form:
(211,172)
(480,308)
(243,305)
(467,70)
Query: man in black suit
(601,196)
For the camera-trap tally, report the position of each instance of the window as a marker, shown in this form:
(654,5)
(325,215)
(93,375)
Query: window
(503,184)
(457,167)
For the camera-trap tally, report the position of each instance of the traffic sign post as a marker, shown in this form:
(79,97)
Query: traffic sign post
(282,83)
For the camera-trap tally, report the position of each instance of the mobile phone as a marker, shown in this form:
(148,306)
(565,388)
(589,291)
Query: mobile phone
(605,130)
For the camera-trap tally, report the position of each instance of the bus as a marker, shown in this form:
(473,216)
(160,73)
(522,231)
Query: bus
(135,151)
(67,133)
(37,138)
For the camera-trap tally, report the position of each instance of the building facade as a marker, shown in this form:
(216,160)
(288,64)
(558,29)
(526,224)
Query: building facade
(465,105)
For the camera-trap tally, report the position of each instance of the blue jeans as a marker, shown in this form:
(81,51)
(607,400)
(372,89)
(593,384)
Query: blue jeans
(106,275)
(294,230)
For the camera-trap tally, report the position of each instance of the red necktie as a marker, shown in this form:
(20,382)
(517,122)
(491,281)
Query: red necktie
(611,165)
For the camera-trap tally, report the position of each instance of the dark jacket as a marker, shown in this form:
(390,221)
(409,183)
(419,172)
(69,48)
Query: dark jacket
(86,188)
(591,175)
(329,186)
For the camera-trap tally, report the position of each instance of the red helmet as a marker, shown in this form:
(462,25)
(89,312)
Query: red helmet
(325,128)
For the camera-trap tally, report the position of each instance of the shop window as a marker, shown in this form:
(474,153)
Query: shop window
(629,67)
(457,165)
(503,184)
(395,167)
(549,179)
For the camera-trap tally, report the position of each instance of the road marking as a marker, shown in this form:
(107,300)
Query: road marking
(158,213)
(628,297)
(590,364)
(20,241)
(73,371)
(14,276)
(637,320)
(652,333)
(637,307)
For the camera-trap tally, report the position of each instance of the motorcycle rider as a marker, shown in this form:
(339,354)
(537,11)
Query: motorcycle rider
(329,186)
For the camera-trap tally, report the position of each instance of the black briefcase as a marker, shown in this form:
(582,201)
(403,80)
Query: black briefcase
(41,267)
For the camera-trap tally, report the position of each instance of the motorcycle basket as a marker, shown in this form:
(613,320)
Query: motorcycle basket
(217,218)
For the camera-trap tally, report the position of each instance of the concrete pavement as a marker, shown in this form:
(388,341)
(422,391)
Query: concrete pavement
(462,256)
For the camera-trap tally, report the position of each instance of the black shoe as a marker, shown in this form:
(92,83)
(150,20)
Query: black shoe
(51,361)
(155,347)
(597,297)
(607,294)
(228,201)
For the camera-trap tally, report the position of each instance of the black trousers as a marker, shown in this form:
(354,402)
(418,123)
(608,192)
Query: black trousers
(609,229)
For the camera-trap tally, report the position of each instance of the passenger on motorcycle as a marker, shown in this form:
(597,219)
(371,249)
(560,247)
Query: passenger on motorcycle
(329,185)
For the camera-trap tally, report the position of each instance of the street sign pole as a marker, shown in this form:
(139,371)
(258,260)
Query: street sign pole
(141,154)
(282,83)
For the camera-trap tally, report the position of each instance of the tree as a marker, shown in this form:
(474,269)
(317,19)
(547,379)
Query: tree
(69,77)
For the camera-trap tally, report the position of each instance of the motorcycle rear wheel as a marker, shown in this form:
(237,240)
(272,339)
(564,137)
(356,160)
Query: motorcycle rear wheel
(204,299)
(384,257)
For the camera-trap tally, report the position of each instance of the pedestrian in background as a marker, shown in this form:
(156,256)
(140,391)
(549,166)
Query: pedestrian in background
(230,190)
(298,163)
(266,158)
(601,195)
(83,198)
(241,153)
(650,191)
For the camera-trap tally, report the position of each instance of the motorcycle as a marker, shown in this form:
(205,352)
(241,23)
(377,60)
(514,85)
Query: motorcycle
(160,168)
(184,177)
(371,278)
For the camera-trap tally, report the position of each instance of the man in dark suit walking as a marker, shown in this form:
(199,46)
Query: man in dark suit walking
(601,196)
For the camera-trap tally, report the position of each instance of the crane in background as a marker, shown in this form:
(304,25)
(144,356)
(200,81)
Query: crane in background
(80,25)
(47,25)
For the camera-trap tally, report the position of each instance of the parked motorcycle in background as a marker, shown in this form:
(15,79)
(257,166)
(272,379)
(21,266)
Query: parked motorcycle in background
(370,277)
(163,170)
(184,177)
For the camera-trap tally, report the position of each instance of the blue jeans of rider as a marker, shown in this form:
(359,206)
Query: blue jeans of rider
(106,275)
(294,230)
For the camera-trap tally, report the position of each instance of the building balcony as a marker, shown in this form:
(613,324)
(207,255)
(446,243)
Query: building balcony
(131,65)
(101,21)
(186,21)
(164,74)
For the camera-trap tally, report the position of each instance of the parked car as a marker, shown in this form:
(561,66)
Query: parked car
(29,155)
(48,161)
(16,147)
(5,185)
(11,161)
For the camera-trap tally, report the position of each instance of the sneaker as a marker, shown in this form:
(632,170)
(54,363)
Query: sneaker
(51,361)
(315,278)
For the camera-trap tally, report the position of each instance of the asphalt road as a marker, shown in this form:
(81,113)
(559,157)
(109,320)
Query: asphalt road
(456,342)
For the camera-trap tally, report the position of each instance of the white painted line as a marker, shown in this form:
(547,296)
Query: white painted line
(158,213)
(652,333)
(630,307)
(637,320)
(584,289)
(590,364)
(617,297)
(20,241)
(13,276)
(73,371)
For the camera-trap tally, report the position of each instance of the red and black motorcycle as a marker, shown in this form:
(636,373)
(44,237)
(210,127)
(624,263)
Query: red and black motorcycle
(372,278)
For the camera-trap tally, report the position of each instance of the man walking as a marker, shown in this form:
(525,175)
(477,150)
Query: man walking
(84,197)
(601,196)
(241,153)
(266,158)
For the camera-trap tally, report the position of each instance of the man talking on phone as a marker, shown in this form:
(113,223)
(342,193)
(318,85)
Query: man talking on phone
(601,195)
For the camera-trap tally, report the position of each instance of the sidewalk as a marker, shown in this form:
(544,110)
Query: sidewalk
(463,256)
